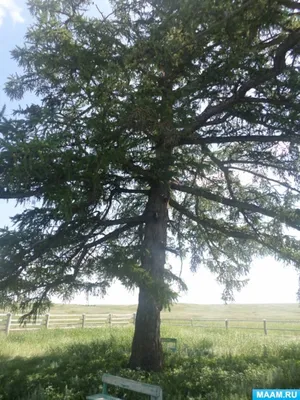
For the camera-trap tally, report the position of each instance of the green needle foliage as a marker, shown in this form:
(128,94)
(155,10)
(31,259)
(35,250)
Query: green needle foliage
(168,126)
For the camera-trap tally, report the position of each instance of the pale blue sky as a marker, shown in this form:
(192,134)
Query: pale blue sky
(269,282)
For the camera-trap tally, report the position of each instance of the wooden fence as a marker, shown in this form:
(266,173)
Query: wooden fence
(11,323)
(249,324)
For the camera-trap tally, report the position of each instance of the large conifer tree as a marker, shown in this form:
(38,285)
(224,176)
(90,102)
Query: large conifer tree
(167,126)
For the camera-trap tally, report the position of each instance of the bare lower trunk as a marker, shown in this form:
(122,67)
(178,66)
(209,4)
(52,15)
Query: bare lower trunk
(146,347)
(146,350)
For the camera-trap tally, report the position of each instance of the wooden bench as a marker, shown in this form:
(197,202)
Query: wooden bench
(172,341)
(155,392)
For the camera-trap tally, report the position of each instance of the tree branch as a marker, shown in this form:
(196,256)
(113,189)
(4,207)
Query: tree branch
(284,184)
(226,173)
(112,235)
(209,223)
(233,232)
(288,168)
(279,65)
(173,251)
(129,165)
(134,191)
(274,102)
(233,139)
(5,194)
(241,205)
(135,220)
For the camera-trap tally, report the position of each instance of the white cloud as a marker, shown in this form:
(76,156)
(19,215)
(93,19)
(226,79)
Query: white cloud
(9,7)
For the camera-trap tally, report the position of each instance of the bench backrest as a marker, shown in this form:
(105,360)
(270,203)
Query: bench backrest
(152,390)
(171,341)
(168,340)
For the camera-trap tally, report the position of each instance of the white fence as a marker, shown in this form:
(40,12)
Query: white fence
(11,323)
(249,324)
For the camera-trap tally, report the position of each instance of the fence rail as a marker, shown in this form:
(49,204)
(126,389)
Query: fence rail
(11,323)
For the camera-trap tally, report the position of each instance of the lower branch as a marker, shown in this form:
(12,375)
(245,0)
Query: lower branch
(240,205)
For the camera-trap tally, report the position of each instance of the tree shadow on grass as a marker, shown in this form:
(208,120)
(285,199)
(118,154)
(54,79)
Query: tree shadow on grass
(69,373)
(75,371)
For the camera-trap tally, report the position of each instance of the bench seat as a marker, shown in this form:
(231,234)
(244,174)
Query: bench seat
(154,391)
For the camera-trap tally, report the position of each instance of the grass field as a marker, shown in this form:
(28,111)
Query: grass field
(230,311)
(280,317)
(210,364)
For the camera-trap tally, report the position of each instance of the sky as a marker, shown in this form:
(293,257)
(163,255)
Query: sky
(270,282)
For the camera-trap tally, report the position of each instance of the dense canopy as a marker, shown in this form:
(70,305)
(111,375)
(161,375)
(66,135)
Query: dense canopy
(168,126)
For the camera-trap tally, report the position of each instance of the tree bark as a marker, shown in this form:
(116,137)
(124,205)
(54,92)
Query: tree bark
(146,352)
(146,346)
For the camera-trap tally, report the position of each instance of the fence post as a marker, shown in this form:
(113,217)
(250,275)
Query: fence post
(83,321)
(8,322)
(265,327)
(109,320)
(47,321)
(226,324)
(134,318)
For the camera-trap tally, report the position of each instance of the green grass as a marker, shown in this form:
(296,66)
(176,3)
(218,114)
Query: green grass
(230,311)
(210,364)
(280,317)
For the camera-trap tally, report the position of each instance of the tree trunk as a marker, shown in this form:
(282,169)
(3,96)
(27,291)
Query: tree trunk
(146,351)
(146,347)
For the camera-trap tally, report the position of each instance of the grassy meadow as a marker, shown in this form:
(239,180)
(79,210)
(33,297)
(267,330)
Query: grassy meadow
(281,318)
(230,311)
(210,364)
